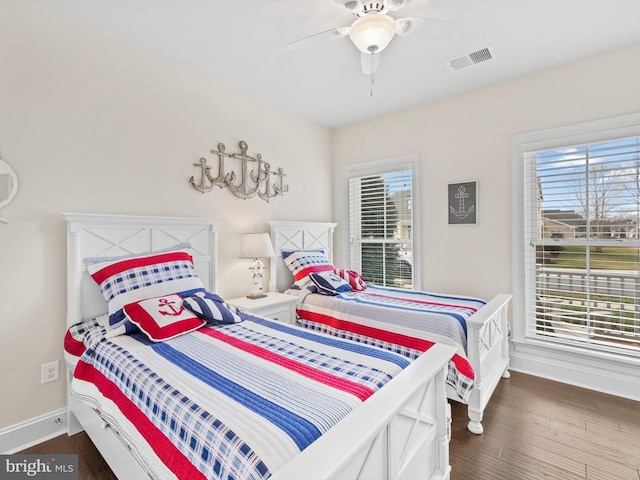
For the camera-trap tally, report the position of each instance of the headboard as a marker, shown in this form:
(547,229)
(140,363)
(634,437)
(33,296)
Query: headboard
(296,236)
(92,235)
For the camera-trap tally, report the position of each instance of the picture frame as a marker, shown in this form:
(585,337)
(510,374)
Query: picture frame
(462,204)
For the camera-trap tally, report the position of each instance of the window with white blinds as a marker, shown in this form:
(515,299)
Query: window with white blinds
(381,224)
(582,245)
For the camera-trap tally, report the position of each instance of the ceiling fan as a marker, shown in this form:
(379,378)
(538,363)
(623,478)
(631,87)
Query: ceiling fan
(373,29)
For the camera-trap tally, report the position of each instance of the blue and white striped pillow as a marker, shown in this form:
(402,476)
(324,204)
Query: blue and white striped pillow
(329,283)
(212,308)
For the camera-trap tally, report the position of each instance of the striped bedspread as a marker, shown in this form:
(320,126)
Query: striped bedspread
(403,321)
(233,401)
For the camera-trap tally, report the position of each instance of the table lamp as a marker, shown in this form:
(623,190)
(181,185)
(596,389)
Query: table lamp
(256,246)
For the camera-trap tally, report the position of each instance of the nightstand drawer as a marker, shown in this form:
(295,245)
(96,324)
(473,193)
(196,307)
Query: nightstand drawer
(277,314)
(277,306)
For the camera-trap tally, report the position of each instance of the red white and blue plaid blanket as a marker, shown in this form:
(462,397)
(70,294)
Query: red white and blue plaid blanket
(403,321)
(228,401)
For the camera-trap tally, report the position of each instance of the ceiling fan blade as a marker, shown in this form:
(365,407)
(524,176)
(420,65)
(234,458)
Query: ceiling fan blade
(425,27)
(393,5)
(369,62)
(319,37)
(352,5)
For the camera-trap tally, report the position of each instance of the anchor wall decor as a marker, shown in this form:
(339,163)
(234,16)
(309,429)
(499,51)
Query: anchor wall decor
(463,203)
(256,176)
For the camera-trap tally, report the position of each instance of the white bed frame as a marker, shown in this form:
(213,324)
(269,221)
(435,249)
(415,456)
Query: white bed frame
(401,432)
(487,329)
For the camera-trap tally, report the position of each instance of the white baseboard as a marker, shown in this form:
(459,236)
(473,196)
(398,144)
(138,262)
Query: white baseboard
(620,383)
(32,432)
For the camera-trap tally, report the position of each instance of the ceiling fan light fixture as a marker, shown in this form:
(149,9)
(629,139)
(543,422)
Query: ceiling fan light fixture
(373,32)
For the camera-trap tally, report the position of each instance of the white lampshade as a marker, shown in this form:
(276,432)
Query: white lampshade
(373,32)
(256,245)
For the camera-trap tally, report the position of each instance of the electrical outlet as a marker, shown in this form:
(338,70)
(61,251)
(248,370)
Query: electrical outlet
(49,372)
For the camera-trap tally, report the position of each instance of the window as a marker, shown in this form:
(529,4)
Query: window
(382,221)
(581,241)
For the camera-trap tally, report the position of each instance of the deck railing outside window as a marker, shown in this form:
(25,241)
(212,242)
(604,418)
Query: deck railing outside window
(601,307)
(582,251)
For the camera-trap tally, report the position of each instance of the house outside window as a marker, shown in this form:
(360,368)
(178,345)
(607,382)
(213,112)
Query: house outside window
(382,221)
(577,244)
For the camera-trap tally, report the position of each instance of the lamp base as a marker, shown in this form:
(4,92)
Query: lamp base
(254,296)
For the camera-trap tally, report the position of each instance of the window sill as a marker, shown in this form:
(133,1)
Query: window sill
(577,352)
(601,371)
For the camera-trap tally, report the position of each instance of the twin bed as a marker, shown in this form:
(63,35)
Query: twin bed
(247,398)
(403,321)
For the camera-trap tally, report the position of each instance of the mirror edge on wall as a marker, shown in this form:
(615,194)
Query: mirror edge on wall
(5,169)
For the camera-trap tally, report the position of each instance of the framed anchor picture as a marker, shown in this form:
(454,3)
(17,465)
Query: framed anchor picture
(463,203)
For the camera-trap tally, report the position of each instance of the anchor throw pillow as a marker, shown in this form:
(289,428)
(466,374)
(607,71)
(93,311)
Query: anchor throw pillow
(162,318)
(127,279)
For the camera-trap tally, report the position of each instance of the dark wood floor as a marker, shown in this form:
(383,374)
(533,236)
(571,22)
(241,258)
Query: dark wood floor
(91,466)
(534,429)
(539,429)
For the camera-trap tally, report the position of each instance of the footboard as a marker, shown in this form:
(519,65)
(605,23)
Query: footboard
(488,352)
(401,432)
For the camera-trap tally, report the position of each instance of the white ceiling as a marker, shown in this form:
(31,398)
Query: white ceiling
(242,43)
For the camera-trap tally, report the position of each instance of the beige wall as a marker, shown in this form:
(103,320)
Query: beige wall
(468,137)
(91,125)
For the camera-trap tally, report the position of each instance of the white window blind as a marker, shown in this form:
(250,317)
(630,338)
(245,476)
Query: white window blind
(381,227)
(582,245)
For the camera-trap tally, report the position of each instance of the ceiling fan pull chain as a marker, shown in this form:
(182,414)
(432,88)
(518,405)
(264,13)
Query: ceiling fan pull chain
(372,79)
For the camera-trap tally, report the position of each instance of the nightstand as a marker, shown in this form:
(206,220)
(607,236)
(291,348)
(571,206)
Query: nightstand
(277,306)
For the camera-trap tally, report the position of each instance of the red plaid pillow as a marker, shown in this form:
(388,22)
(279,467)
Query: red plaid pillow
(353,278)
(302,263)
(131,278)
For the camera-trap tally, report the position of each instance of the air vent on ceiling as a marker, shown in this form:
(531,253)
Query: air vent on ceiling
(473,58)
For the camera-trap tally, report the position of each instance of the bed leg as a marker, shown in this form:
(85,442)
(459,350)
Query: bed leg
(506,373)
(475,425)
